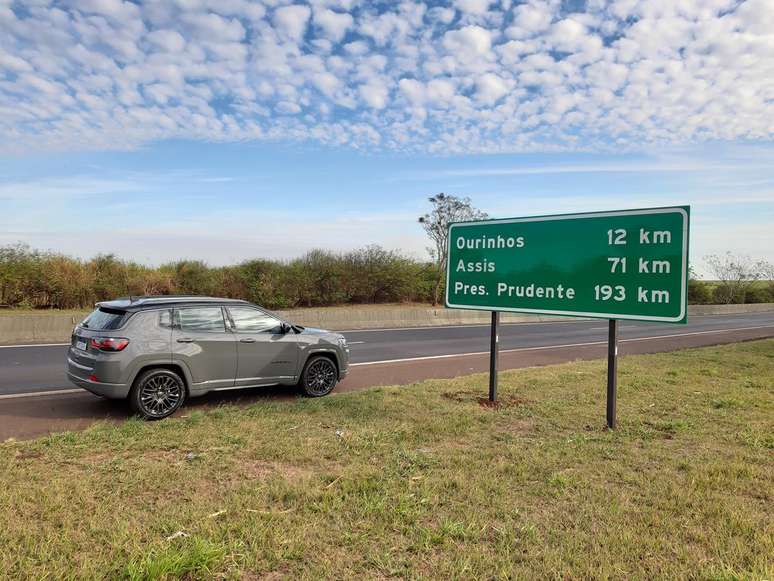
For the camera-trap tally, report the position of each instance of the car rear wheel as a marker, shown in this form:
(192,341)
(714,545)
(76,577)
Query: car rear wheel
(319,376)
(156,394)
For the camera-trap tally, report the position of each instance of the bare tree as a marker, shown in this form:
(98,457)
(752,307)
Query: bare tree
(767,270)
(446,209)
(736,274)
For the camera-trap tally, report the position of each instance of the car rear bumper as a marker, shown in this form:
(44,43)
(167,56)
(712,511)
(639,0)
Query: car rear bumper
(108,390)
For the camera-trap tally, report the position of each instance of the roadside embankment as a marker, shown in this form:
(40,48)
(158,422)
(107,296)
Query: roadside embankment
(56,326)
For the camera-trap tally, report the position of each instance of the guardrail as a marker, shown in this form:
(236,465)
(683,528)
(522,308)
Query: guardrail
(55,327)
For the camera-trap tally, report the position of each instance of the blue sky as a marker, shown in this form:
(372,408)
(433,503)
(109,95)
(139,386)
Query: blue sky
(233,129)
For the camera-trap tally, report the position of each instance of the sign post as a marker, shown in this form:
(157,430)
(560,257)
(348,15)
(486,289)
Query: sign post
(622,265)
(494,348)
(612,372)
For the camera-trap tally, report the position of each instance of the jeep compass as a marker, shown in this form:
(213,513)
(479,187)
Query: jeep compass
(158,351)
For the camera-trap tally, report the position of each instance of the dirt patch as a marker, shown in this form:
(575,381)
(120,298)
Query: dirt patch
(503,401)
(27,455)
(462,396)
(506,401)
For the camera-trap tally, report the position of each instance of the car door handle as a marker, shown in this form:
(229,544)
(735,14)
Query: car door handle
(247,340)
(185,340)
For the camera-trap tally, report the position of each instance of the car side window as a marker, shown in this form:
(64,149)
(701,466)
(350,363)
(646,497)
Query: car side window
(247,320)
(200,320)
(165,319)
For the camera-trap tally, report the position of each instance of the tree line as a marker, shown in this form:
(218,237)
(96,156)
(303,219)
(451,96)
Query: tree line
(36,279)
(737,279)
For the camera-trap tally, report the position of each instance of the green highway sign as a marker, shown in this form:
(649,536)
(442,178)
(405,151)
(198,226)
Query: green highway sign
(629,264)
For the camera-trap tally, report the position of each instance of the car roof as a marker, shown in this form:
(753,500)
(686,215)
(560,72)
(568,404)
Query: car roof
(148,302)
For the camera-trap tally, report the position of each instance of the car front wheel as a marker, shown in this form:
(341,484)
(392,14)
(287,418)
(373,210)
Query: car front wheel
(319,376)
(156,394)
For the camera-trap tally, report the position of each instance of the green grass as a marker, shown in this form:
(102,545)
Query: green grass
(420,482)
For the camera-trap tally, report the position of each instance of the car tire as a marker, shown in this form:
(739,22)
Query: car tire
(319,376)
(157,394)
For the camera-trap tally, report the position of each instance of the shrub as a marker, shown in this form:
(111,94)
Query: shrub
(725,294)
(759,294)
(368,275)
(699,292)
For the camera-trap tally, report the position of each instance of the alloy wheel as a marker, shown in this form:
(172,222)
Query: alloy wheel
(320,377)
(160,395)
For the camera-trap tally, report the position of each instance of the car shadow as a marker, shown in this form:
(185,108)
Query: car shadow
(242,397)
(26,418)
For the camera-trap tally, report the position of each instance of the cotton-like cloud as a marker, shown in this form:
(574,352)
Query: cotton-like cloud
(166,40)
(471,39)
(375,94)
(334,24)
(469,76)
(477,7)
(490,87)
(292,20)
(530,19)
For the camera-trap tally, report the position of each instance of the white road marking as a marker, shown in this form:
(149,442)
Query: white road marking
(428,327)
(34,345)
(355,342)
(429,357)
(452,355)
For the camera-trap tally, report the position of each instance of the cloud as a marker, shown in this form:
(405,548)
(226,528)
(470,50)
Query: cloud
(470,39)
(334,24)
(212,27)
(530,19)
(474,76)
(607,168)
(167,40)
(292,20)
(375,94)
(476,7)
(490,87)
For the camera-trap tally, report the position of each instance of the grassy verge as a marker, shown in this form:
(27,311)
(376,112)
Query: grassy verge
(79,314)
(420,481)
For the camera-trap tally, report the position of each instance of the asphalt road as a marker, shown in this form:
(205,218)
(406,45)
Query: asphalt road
(35,398)
(41,368)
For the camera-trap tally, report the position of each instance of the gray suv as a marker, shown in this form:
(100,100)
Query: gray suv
(156,351)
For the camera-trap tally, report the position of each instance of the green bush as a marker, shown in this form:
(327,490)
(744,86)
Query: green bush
(725,294)
(699,292)
(759,294)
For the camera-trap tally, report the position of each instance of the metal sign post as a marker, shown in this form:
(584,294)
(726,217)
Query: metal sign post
(612,372)
(494,348)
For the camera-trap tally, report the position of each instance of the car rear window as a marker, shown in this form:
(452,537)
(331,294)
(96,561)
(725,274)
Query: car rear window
(104,319)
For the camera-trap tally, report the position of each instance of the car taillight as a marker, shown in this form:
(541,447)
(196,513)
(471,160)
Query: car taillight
(109,343)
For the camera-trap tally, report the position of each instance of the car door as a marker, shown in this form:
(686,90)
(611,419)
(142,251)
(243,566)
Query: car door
(201,341)
(265,353)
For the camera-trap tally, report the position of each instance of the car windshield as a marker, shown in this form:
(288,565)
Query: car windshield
(104,319)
